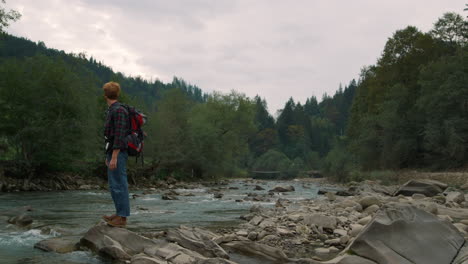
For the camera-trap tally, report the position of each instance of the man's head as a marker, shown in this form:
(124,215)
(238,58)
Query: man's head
(111,90)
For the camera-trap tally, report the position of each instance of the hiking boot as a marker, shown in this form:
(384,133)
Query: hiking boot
(108,218)
(118,221)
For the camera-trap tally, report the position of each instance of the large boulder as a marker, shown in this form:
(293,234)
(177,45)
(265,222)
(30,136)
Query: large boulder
(407,235)
(58,244)
(257,249)
(123,245)
(23,220)
(198,240)
(427,187)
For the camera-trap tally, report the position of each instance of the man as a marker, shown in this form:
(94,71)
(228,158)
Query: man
(116,129)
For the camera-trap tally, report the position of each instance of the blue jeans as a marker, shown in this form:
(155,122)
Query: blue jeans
(118,184)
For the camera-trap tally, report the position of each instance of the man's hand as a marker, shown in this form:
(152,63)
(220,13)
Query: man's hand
(113,164)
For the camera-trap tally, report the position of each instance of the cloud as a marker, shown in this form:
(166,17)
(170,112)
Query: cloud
(276,49)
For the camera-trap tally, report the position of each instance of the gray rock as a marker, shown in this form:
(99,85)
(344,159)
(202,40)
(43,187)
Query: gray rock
(252,236)
(355,229)
(427,187)
(371,209)
(368,201)
(145,259)
(320,220)
(455,197)
(22,220)
(288,188)
(462,257)
(198,240)
(256,220)
(365,220)
(259,188)
(418,196)
(256,249)
(58,244)
(407,235)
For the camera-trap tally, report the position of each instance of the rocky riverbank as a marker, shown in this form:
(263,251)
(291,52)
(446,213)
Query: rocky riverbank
(422,221)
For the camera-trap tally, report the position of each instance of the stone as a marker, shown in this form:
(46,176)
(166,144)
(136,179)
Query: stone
(320,220)
(368,201)
(218,195)
(461,227)
(418,196)
(406,234)
(259,188)
(439,199)
(58,244)
(334,241)
(257,249)
(423,186)
(349,203)
(198,240)
(340,232)
(365,220)
(344,240)
(266,223)
(256,220)
(455,197)
(371,209)
(145,259)
(330,196)
(23,220)
(242,233)
(169,197)
(283,231)
(256,208)
(296,217)
(333,250)
(279,188)
(252,236)
(355,229)
(462,257)
(445,218)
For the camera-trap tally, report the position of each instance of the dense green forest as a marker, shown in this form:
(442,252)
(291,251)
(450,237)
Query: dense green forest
(409,110)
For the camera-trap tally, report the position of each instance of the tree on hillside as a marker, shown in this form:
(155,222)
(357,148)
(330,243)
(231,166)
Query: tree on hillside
(7,16)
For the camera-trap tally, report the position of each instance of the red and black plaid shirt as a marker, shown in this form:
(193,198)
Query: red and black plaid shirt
(116,127)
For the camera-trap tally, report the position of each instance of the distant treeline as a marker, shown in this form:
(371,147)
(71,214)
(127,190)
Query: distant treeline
(410,110)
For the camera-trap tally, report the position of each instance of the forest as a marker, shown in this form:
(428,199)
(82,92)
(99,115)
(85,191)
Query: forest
(408,111)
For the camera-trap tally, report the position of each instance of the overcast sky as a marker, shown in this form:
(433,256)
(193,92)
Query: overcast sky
(276,49)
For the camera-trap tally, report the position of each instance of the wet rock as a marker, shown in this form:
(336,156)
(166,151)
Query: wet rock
(404,231)
(169,197)
(58,244)
(259,188)
(256,208)
(218,195)
(288,188)
(427,187)
(23,220)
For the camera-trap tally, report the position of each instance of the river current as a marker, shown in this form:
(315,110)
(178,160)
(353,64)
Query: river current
(74,212)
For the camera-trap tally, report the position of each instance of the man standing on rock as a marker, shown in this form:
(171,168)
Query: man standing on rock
(116,129)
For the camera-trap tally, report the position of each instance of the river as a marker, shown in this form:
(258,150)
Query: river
(74,212)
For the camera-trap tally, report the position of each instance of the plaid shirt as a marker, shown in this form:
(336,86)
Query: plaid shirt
(116,127)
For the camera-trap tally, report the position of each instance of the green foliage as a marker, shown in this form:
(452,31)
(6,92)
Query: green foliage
(7,16)
(410,108)
(44,111)
(273,161)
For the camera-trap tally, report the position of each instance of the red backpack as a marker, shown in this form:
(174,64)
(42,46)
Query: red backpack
(136,135)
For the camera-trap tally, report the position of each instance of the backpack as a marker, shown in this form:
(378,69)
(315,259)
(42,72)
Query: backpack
(136,135)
